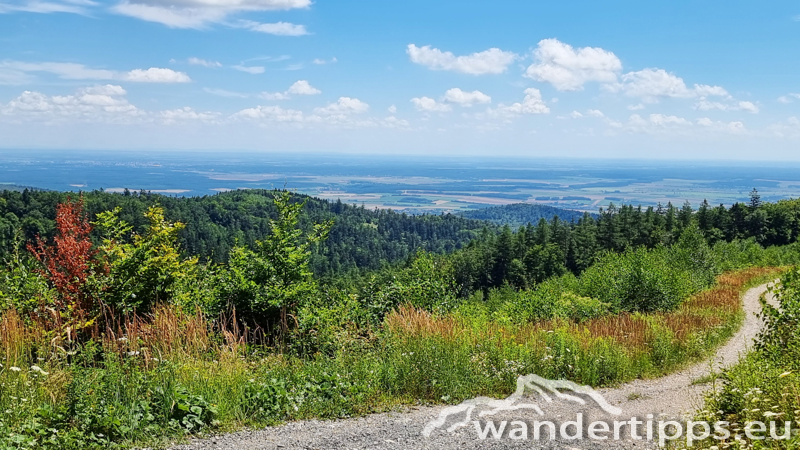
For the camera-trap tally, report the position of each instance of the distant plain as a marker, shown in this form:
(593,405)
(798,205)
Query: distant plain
(415,185)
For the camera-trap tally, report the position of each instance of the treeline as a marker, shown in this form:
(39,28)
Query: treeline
(519,214)
(359,238)
(535,253)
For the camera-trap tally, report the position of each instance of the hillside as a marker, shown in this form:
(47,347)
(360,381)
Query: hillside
(519,214)
(360,238)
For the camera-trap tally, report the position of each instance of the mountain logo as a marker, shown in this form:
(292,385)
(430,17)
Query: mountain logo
(547,390)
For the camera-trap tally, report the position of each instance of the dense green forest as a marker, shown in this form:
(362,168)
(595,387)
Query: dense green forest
(121,324)
(362,239)
(518,214)
(359,239)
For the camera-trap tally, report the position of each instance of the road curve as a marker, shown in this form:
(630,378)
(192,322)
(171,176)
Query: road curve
(673,395)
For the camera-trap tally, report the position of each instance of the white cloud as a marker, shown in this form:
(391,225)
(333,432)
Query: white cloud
(664,120)
(302,87)
(105,103)
(531,104)
(74,71)
(68,71)
(321,62)
(270,113)
(345,105)
(788,98)
(202,62)
(394,122)
(278,29)
(568,69)
(788,129)
(48,7)
(636,107)
(705,105)
(650,84)
(198,13)
(595,113)
(492,61)
(156,75)
(428,104)
(274,96)
(657,124)
(392,109)
(725,127)
(466,99)
(575,115)
(253,70)
(14,77)
(188,114)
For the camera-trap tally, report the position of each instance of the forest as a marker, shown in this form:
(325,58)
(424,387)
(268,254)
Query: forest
(138,319)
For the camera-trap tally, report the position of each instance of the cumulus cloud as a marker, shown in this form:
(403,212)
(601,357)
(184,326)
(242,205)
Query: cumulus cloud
(705,105)
(188,114)
(726,127)
(74,71)
(344,106)
(428,104)
(202,62)
(568,68)
(637,107)
(466,99)
(789,98)
(650,84)
(277,29)
(531,104)
(302,87)
(270,113)
(104,103)
(492,61)
(392,109)
(595,113)
(156,75)
(274,96)
(656,124)
(200,13)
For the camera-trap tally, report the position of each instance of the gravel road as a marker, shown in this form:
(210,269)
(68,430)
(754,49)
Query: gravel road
(672,396)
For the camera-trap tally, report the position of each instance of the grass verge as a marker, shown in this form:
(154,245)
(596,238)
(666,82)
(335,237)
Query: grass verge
(174,374)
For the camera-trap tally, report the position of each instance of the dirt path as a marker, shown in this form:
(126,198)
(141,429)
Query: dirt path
(671,396)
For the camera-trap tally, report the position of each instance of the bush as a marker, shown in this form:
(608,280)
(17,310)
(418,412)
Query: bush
(637,280)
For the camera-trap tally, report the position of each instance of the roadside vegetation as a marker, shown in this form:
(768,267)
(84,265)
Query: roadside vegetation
(765,385)
(113,335)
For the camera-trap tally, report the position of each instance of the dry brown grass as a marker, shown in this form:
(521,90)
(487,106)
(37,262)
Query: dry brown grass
(15,337)
(169,331)
(702,312)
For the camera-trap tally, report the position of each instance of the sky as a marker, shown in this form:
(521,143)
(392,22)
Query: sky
(616,79)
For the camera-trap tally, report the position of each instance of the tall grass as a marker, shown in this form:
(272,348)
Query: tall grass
(151,379)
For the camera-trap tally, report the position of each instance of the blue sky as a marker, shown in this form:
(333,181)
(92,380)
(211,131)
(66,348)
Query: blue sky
(602,79)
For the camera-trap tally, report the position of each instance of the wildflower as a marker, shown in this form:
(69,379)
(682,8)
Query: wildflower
(15,368)
(39,369)
(784,374)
